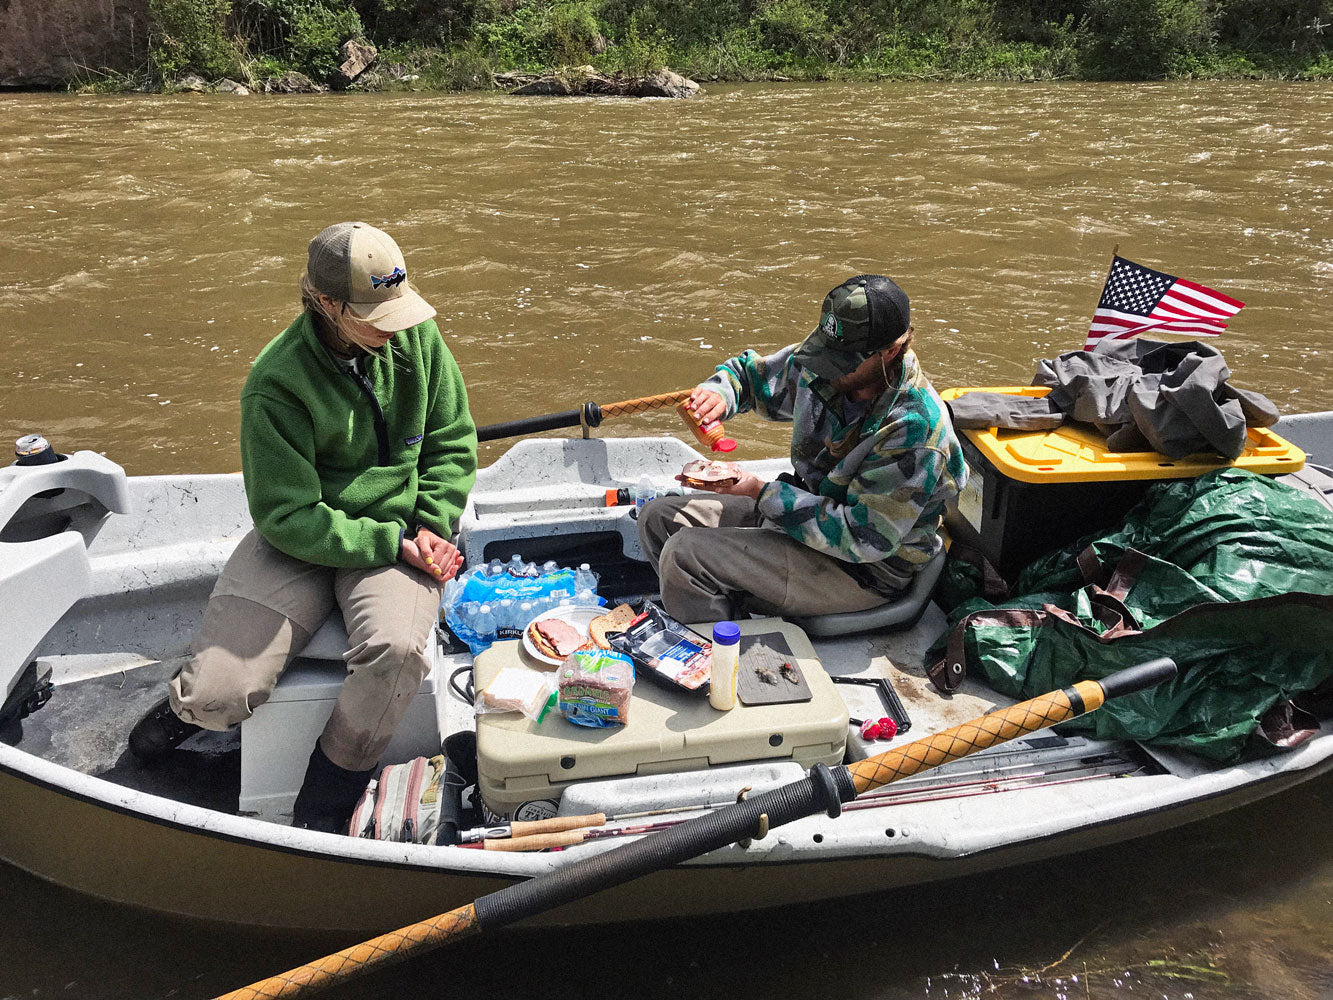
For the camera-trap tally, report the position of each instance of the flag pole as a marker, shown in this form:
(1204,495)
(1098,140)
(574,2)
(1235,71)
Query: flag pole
(1115,252)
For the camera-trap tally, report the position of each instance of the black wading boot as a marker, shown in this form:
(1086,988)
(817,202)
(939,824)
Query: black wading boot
(159,732)
(328,795)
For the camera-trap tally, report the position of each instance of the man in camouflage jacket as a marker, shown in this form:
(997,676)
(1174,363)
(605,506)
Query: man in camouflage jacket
(876,461)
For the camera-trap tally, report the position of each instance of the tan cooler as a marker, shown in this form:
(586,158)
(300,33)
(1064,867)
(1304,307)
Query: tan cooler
(523,766)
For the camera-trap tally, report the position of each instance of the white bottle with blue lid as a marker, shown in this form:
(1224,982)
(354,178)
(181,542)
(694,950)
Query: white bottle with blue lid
(726,665)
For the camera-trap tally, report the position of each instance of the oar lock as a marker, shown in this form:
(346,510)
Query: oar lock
(590,415)
(762,830)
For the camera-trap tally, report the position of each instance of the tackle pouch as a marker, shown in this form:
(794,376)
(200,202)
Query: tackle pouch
(403,804)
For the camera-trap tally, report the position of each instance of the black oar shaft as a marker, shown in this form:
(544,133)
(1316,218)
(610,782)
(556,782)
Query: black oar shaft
(589,413)
(530,425)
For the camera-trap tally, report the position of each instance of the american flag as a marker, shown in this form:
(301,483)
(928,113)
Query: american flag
(1137,299)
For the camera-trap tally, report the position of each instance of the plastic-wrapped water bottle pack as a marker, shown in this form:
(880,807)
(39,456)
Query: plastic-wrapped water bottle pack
(499,599)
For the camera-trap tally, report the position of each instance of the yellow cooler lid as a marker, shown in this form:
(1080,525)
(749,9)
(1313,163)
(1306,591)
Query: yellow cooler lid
(1077,453)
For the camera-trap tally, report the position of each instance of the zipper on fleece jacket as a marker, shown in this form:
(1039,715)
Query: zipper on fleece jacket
(376,411)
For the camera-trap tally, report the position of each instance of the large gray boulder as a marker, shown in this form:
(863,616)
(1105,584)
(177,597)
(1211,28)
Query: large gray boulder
(665,83)
(584,81)
(546,86)
(292,82)
(357,57)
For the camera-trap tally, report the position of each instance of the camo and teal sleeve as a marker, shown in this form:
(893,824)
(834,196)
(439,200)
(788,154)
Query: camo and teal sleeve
(890,503)
(751,382)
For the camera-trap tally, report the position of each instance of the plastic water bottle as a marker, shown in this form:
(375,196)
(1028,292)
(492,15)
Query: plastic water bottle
(585,578)
(494,567)
(506,616)
(645,492)
(550,566)
(467,614)
(485,621)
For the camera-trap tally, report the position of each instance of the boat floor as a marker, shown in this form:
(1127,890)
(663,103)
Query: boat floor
(85,725)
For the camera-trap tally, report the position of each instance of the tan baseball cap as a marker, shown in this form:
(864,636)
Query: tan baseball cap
(362,266)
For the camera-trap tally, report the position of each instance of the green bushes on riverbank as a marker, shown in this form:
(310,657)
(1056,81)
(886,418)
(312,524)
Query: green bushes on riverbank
(453,44)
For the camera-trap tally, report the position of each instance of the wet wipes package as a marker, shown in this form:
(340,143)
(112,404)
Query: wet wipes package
(666,649)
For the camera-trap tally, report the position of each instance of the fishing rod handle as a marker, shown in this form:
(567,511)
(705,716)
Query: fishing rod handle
(528,828)
(376,953)
(627,407)
(1005,724)
(556,824)
(536,841)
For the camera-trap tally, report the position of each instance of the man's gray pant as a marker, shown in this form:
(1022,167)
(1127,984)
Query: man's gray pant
(710,553)
(267,605)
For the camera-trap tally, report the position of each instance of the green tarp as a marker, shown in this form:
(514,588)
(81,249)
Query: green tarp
(1229,574)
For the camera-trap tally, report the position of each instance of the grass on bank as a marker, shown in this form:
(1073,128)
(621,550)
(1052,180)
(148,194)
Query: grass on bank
(463,44)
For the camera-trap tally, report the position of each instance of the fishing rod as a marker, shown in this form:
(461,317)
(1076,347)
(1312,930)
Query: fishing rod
(570,837)
(825,789)
(561,824)
(558,824)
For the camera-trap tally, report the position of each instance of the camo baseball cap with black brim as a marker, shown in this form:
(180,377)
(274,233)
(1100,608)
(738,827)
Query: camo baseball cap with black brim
(859,317)
(362,266)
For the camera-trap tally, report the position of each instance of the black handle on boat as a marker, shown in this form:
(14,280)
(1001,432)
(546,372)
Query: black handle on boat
(1138,678)
(533,425)
(825,789)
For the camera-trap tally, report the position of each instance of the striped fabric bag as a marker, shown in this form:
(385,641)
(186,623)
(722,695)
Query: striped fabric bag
(403,804)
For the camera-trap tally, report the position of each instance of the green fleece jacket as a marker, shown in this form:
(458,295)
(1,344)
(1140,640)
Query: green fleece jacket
(339,464)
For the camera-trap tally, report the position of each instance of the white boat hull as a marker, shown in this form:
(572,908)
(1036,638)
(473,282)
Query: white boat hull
(141,603)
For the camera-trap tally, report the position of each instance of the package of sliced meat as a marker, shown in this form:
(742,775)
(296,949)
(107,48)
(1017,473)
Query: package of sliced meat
(670,652)
(594,687)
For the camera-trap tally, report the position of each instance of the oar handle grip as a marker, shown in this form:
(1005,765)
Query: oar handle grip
(627,407)
(1138,677)
(1005,724)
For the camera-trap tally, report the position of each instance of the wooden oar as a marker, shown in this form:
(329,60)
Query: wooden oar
(825,789)
(588,415)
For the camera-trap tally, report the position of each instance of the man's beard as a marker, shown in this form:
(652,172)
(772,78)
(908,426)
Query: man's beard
(871,378)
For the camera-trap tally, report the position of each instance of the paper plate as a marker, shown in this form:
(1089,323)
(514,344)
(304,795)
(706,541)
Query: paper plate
(576,615)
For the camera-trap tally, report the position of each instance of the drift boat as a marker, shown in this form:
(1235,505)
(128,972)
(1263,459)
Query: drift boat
(103,580)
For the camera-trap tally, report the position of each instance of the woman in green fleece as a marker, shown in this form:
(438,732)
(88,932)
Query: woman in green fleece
(358,453)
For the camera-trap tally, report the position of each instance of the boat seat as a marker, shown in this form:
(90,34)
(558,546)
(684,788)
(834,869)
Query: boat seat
(277,738)
(43,575)
(900,613)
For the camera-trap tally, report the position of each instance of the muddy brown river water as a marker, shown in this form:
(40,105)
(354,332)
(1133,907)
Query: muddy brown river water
(602,249)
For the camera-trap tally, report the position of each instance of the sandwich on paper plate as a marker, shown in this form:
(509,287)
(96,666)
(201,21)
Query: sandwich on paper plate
(703,474)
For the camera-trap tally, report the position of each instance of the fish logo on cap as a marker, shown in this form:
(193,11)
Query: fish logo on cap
(391,280)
